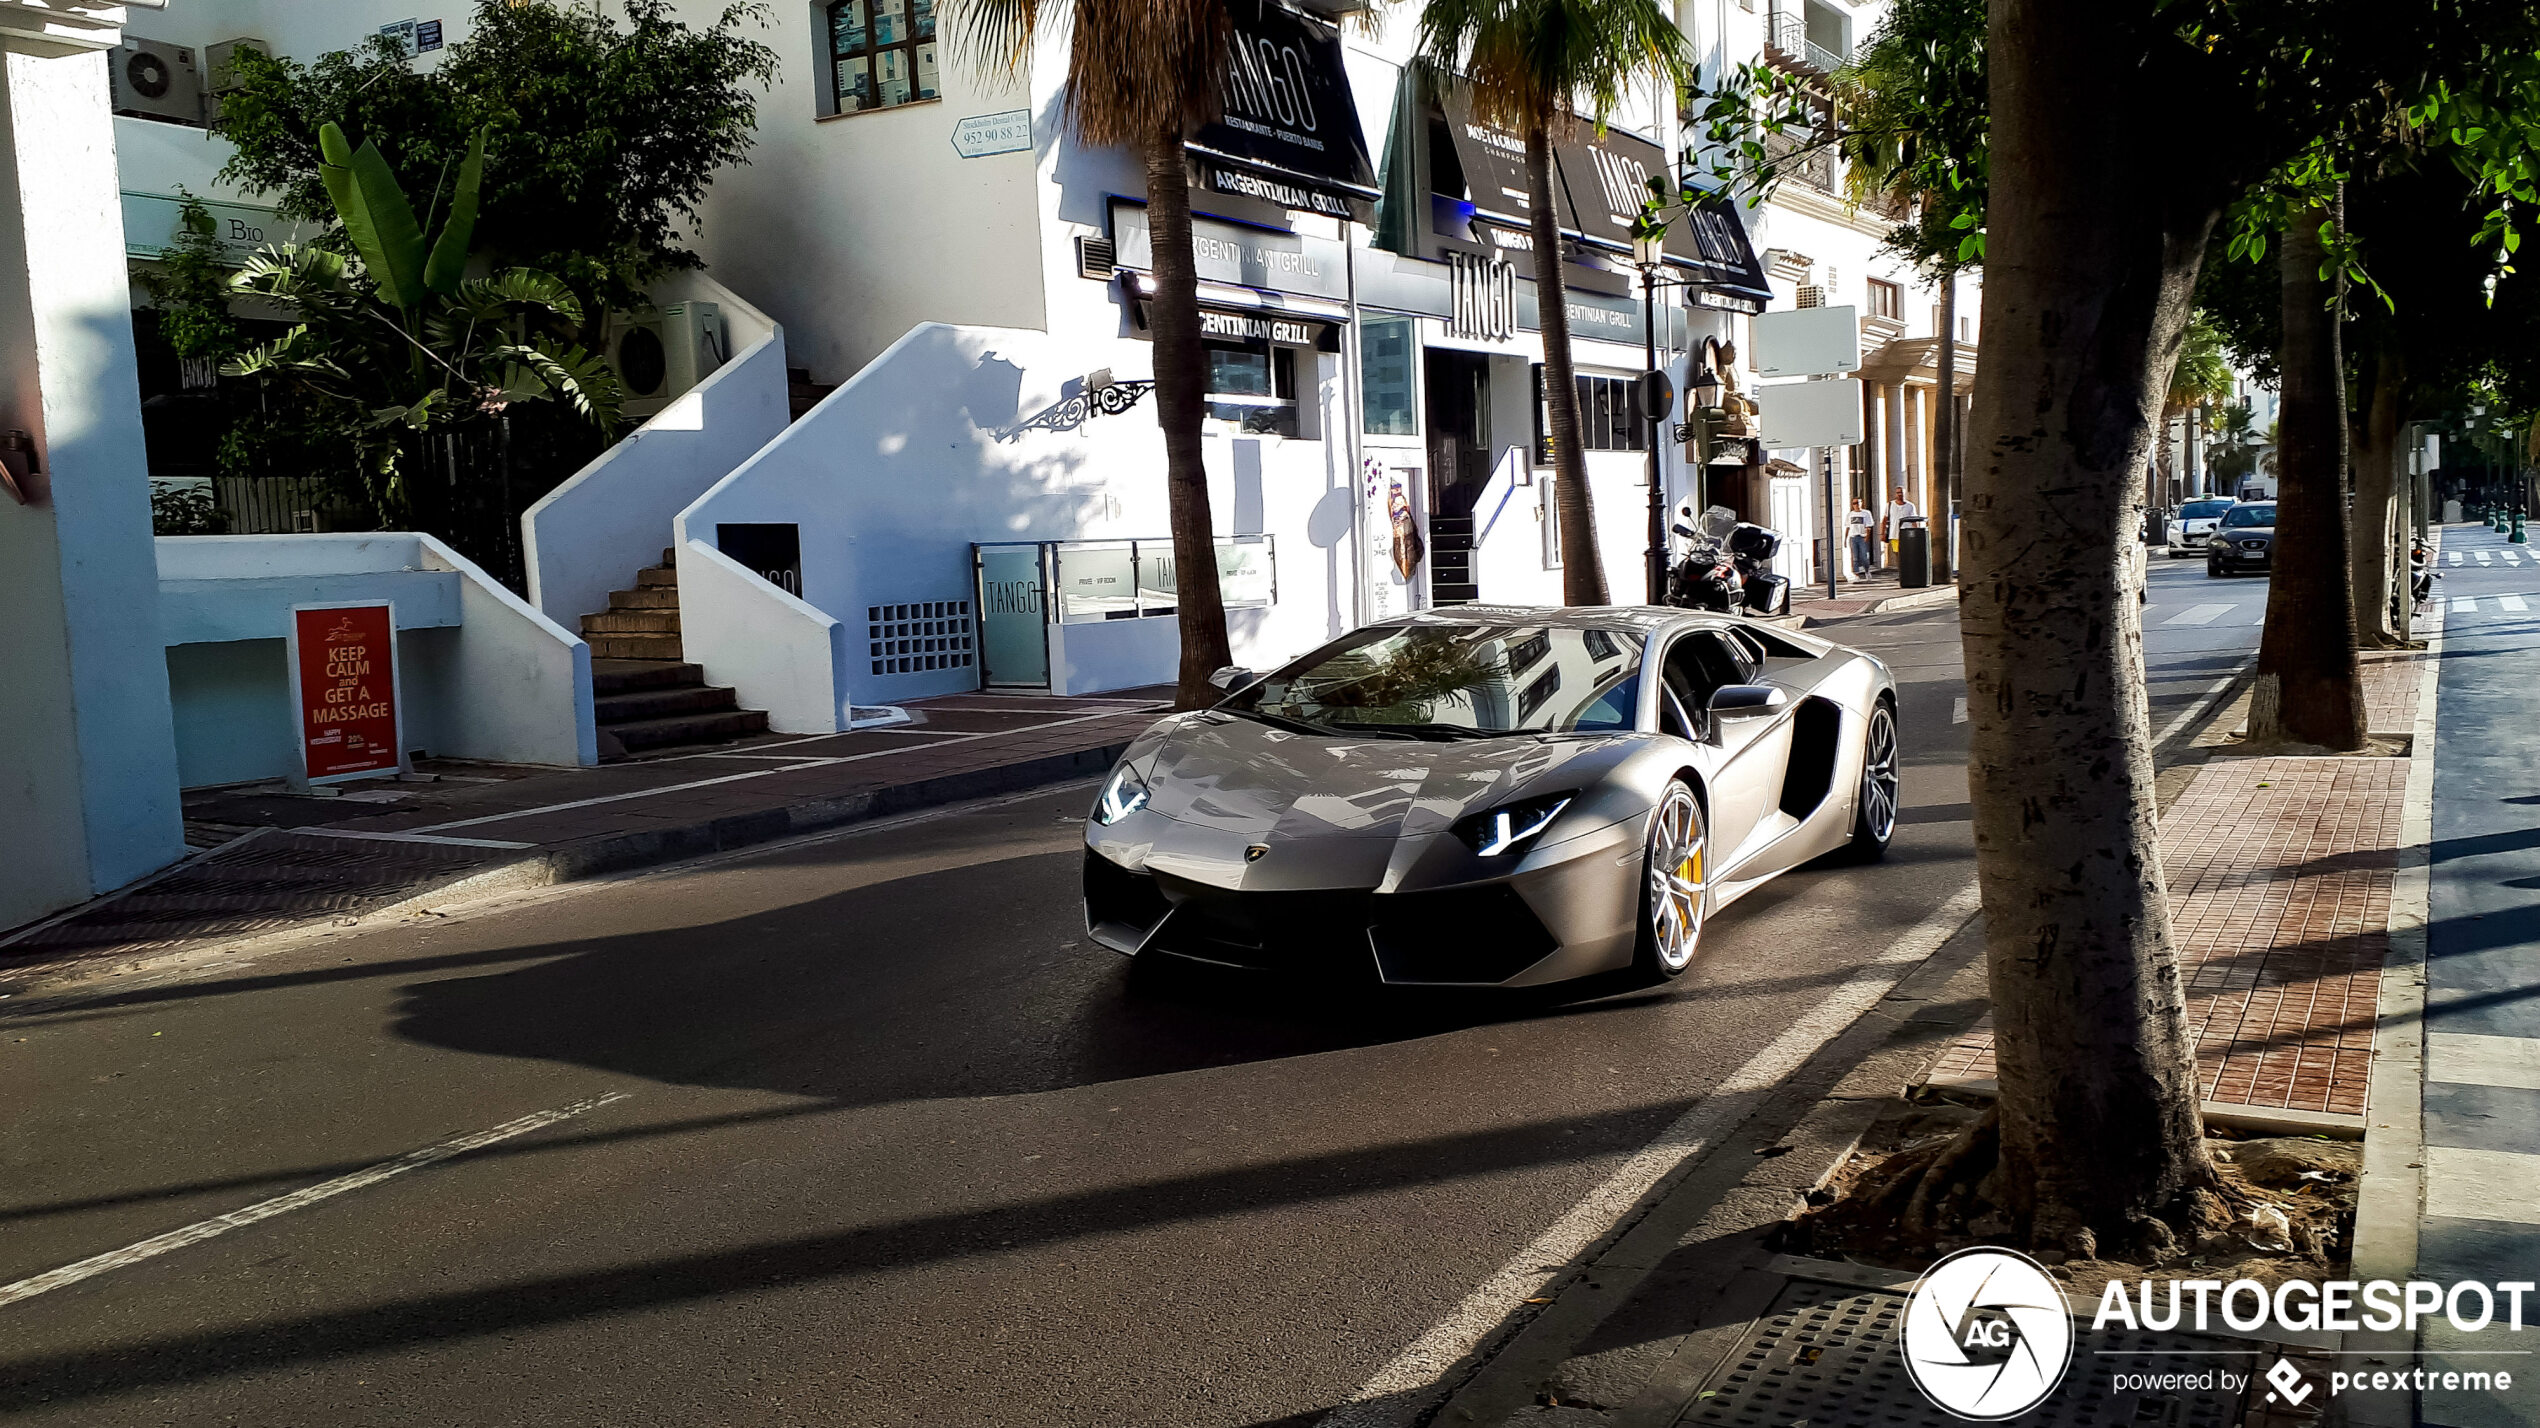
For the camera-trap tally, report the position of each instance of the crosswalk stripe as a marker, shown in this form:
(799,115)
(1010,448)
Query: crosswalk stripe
(2200,615)
(2486,557)
(2512,556)
(2511,602)
(2465,606)
(2457,557)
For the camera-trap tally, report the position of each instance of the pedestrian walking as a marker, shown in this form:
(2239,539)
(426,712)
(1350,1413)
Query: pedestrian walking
(1863,527)
(1899,511)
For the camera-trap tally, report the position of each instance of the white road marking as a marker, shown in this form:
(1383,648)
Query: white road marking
(2203,702)
(2511,555)
(2482,1184)
(2476,1059)
(1392,1394)
(1958,710)
(2467,605)
(2511,602)
(2486,557)
(2200,615)
(2456,557)
(202,1230)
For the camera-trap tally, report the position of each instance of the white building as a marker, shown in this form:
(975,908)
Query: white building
(981,499)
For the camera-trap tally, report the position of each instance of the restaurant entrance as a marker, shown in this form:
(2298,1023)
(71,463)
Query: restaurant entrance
(1459,468)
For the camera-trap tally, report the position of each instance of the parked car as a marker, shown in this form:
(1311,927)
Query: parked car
(2244,539)
(1492,796)
(2194,522)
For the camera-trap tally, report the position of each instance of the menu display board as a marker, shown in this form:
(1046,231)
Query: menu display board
(344,689)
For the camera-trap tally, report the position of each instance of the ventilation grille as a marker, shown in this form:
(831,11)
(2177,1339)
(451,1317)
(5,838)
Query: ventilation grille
(1095,258)
(1811,295)
(924,635)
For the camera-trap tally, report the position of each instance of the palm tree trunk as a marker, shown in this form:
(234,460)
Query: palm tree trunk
(1180,389)
(1582,564)
(2309,687)
(2087,288)
(2377,481)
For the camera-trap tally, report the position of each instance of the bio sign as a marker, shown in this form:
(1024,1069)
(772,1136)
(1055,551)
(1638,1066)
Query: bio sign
(344,689)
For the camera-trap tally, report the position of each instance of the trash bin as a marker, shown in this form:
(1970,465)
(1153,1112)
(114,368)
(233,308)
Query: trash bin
(1913,553)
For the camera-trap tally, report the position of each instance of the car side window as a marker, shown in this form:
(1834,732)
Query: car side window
(1697,665)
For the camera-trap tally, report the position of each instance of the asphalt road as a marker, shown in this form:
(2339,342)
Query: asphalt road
(893,1143)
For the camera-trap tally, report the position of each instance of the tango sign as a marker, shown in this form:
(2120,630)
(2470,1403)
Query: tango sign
(344,690)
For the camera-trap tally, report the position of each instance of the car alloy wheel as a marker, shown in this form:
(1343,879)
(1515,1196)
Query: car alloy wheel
(1678,881)
(1876,822)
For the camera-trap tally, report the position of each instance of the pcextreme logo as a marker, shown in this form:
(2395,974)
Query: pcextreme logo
(1987,1334)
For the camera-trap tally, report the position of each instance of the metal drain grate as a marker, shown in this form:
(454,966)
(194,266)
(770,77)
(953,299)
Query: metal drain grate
(1833,1357)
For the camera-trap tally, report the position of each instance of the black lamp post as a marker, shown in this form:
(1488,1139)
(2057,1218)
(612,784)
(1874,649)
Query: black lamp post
(1649,254)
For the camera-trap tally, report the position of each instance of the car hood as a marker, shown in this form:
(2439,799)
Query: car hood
(1366,806)
(2245,532)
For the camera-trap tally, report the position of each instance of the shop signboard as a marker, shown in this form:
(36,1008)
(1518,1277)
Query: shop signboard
(1797,414)
(981,135)
(343,663)
(1233,254)
(1290,134)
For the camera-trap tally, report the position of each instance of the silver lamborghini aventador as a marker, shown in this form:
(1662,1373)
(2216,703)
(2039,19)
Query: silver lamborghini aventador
(1492,796)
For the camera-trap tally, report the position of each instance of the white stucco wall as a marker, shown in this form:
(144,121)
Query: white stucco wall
(591,534)
(88,770)
(482,675)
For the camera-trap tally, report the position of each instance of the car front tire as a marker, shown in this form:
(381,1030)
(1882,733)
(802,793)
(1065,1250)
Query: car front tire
(1675,890)
(1874,805)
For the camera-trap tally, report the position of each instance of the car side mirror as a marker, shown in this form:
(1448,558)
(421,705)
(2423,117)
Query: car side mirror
(1747,701)
(1231,676)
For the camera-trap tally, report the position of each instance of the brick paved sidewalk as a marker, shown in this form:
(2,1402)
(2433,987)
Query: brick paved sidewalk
(276,860)
(1878,591)
(2280,873)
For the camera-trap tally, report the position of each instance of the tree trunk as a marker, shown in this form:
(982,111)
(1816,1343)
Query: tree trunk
(2310,687)
(1945,435)
(2087,289)
(1582,564)
(2375,538)
(1180,386)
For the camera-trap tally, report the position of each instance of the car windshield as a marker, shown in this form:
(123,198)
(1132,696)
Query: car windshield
(1455,682)
(2263,515)
(2202,510)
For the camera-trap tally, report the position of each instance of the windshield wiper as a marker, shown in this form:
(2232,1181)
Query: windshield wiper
(1436,733)
(1282,721)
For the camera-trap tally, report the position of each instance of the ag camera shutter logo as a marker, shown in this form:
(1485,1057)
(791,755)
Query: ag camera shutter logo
(1987,1334)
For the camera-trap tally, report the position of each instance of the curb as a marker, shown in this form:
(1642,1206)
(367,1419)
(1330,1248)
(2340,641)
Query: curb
(2390,1192)
(600,857)
(1919,600)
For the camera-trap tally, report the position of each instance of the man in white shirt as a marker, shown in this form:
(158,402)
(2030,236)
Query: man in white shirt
(1899,510)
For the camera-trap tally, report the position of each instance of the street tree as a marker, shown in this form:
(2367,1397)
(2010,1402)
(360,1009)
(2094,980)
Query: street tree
(1541,67)
(1146,97)
(2103,180)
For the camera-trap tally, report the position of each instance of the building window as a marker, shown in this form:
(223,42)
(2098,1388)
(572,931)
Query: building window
(1886,299)
(1253,386)
(882,52)
(1386,349)
(1609,417)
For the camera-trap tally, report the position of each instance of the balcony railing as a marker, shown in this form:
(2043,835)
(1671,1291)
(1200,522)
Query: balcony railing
(1814,168)
(1786,41)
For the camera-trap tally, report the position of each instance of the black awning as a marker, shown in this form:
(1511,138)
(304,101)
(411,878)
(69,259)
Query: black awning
(1494,162)
(1290,135)
(1711,240)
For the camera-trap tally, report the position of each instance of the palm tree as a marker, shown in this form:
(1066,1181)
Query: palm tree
(1536,66)
(1141,74)
(2201,378)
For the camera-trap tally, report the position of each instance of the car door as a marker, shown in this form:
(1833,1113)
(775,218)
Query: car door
(1754,753)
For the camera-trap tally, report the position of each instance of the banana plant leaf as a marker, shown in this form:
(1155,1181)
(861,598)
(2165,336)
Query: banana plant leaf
(375,214)
(443,271)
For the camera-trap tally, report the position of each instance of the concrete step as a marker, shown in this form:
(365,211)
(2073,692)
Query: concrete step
(664,574)
(656,647)
(643,704)
(646,597)
(627,676)
(639,735)
(628,622)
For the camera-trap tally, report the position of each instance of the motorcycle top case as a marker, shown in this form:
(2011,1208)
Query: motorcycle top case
(1755,542)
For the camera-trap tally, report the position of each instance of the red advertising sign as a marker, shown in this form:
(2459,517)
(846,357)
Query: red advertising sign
(344,659)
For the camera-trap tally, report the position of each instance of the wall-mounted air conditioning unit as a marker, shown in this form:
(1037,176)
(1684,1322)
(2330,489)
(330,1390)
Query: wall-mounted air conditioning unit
(1811,295)
(220,70)
(156,81)
(659,355)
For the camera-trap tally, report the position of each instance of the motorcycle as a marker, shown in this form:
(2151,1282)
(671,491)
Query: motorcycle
(1725,564)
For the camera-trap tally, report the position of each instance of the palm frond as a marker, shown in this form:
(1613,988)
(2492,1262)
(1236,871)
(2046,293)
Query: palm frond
(1552,62)
(499,296)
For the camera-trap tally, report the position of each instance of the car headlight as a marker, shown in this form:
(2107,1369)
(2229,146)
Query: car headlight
(1122,794)
(1510,827)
